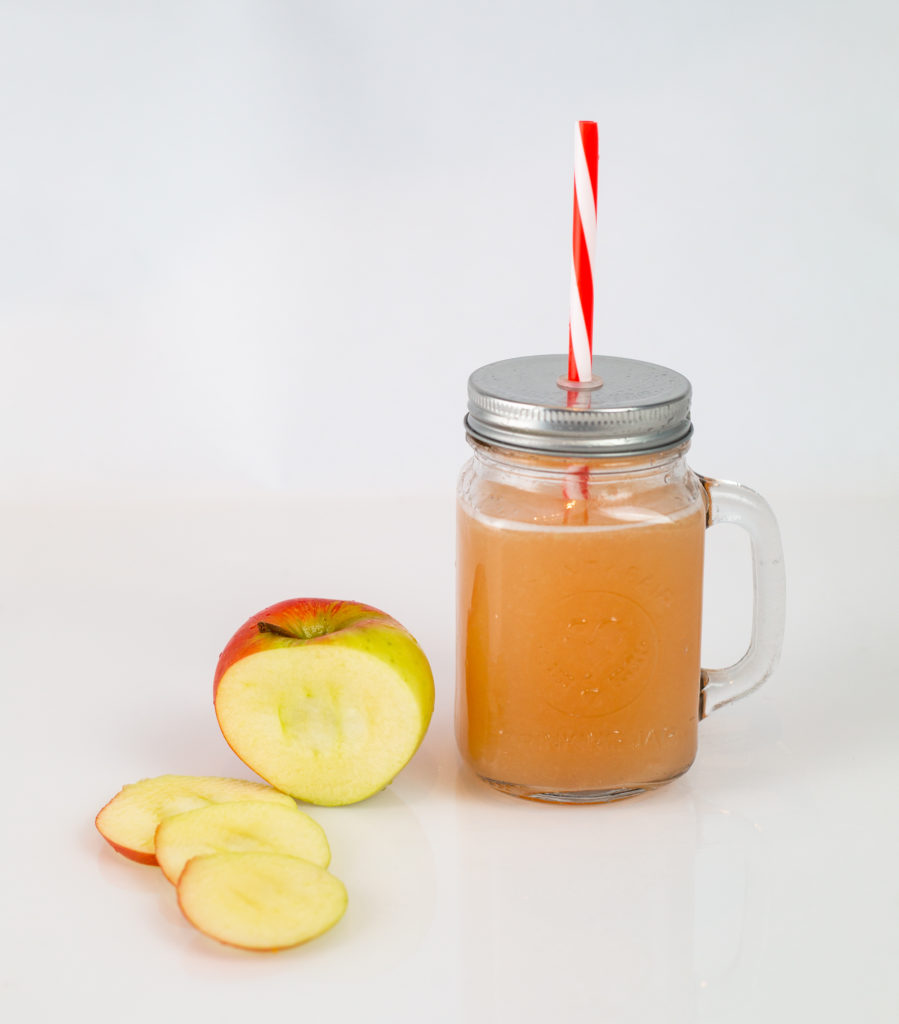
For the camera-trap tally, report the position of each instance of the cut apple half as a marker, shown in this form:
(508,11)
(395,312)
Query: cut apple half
(247,827)
(326,700)
(129,821)
(260,901)
(328,725)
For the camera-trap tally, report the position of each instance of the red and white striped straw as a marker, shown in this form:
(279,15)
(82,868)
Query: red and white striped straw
(580,323)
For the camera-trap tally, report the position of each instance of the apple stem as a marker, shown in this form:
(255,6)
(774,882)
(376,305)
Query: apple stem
(270,627)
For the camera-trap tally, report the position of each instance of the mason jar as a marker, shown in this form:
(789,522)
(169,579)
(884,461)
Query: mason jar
(581,532)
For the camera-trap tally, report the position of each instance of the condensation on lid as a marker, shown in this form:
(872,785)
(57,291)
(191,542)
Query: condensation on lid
(518,403)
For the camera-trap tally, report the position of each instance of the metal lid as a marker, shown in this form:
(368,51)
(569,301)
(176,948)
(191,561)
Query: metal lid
(521,403)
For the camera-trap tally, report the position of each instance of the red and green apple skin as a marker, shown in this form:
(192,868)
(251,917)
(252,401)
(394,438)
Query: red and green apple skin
(326,700)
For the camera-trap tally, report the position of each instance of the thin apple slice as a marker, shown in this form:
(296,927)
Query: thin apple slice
(260,901)
(247,827)
(129,821)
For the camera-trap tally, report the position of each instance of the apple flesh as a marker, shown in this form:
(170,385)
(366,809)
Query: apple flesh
(327,700)
(248,827)
(129,821)
(260,901)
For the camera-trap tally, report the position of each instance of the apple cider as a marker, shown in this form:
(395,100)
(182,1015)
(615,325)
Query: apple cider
(579,624)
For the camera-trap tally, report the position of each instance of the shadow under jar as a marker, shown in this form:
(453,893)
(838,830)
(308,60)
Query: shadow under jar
(580,544)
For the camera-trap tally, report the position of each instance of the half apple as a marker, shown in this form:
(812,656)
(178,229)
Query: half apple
(327,700)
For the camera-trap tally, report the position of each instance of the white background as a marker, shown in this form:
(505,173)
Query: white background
(261,245)
(250,253)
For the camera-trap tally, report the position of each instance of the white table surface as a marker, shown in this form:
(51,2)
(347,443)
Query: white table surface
(762,886)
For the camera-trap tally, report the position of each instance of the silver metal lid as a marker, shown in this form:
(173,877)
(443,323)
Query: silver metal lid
(520,403)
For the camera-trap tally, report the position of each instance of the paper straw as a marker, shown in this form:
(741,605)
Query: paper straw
(580,322)
(576,485)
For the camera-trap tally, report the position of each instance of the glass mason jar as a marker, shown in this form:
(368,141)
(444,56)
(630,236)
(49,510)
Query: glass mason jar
(579,581)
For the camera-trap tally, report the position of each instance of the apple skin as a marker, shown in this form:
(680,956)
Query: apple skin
(322,622)
(346,623)
(136,855)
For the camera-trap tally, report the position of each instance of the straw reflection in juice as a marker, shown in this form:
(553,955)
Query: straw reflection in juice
(579,650)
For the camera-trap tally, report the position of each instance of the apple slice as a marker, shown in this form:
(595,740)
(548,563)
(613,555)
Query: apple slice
(327,700)
(129,821)
(248,827)
(261,901)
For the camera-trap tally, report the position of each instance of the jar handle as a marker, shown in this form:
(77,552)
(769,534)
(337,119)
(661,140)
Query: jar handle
(733,503)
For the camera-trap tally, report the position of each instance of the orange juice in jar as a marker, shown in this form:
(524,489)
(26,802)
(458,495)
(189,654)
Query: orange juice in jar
(579,582)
